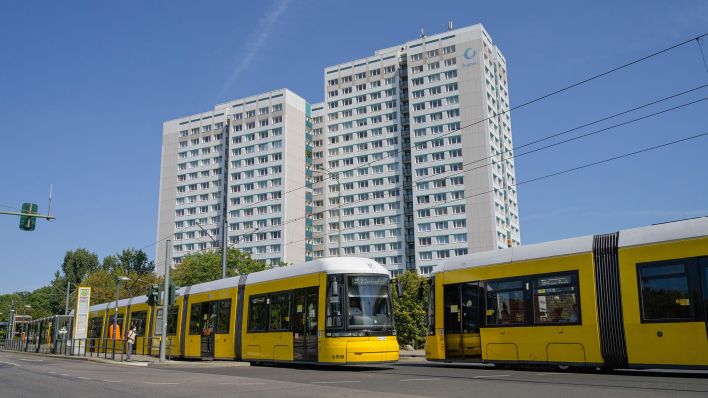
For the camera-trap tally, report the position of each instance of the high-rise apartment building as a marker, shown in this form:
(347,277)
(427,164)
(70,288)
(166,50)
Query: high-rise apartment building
(420,138)
(257,141)
(408,161)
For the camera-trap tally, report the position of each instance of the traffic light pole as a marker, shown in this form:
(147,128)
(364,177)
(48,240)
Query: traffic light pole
(165,300)
(13,213)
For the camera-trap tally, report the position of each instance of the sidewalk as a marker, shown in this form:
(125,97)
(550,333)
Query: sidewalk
(145,360)
(412,354)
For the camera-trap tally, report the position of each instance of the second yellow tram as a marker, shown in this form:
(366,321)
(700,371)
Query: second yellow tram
(637,298)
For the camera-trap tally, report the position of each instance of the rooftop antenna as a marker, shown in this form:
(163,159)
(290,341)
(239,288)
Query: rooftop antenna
(449,25)
(422,33)
(49,206)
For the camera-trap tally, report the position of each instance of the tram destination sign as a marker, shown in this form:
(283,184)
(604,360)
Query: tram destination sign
(368,281)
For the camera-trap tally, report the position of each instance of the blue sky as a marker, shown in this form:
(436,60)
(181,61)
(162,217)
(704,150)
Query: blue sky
(85,87)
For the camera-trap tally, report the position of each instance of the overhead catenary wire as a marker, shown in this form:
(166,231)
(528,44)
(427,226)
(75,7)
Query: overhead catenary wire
(699,41)
(445,203)
(585,135)
(522,105)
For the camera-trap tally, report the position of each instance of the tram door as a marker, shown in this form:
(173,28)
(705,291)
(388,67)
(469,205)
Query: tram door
(462,314)
(208,313)
(704,287)
(305,325)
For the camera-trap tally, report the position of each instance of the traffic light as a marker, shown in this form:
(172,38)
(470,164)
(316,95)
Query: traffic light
(27,223)
(153,295)
(172,294)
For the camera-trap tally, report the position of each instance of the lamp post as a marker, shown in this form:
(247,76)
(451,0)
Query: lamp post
(115,314)
(335,176)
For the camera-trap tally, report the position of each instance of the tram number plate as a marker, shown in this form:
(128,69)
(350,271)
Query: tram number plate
(338,356)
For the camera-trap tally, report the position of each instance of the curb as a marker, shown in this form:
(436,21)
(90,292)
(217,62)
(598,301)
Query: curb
(41,354)
(154,364)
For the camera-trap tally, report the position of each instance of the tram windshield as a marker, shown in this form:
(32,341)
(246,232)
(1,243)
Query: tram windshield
(369,304)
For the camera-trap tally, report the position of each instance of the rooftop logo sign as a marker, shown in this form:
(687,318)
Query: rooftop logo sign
(469,55)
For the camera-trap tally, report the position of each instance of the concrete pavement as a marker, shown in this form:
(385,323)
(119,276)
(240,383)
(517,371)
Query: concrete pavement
(30,376)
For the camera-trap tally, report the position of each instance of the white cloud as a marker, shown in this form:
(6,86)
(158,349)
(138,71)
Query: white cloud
(257,39)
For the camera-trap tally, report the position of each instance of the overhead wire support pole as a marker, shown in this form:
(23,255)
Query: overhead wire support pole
(66,305)
(14,213)
(165,303)
(225,201)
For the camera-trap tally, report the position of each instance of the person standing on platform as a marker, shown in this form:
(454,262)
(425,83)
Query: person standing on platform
(130,337)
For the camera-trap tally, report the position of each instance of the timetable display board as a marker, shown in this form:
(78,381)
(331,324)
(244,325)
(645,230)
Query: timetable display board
(83,303)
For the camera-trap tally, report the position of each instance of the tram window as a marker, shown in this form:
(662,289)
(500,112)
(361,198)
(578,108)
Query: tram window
(94,328)
(555,299)
(258,314)
(665,294)
(172,320)
(223,317)
(138,319)
(505,302)
(195,319)
(280,312)
(334,302)
(368,300)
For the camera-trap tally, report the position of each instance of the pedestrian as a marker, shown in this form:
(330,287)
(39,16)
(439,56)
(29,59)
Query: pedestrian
(132,333)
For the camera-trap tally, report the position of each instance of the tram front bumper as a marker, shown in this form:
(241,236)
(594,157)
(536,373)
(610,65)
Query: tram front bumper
(356,350)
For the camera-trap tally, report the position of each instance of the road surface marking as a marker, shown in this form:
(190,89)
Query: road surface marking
(83,378)
(241,384)
(9,363)
(160,383)
(31,360)
(112,381)
(336,382)
(432,378)
(482,377)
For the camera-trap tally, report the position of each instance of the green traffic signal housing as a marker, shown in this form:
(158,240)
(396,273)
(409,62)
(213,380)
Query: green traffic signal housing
(27,222)
(153,295)
(172,294)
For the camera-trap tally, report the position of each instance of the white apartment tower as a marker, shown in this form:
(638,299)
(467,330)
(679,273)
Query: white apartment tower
(268,201)
(408,161)
(419,136)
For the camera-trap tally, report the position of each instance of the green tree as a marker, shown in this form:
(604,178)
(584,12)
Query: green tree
(103,285)
(78,264)
(129,260)
(410,311)
(206,266)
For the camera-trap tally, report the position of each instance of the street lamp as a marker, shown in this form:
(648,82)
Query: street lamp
(115,315)
(335,176)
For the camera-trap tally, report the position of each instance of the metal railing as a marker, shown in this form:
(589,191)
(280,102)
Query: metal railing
(108,348)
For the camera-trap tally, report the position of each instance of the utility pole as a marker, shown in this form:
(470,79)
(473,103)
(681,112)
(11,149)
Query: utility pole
(165,303)
(66,305)
(225,201)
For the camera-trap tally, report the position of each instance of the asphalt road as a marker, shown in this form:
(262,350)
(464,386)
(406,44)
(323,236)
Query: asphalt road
(31,376)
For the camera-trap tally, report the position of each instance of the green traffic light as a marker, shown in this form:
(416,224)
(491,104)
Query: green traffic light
(27,223)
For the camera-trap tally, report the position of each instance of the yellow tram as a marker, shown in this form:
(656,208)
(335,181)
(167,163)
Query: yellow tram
(328,311)
(636,298)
